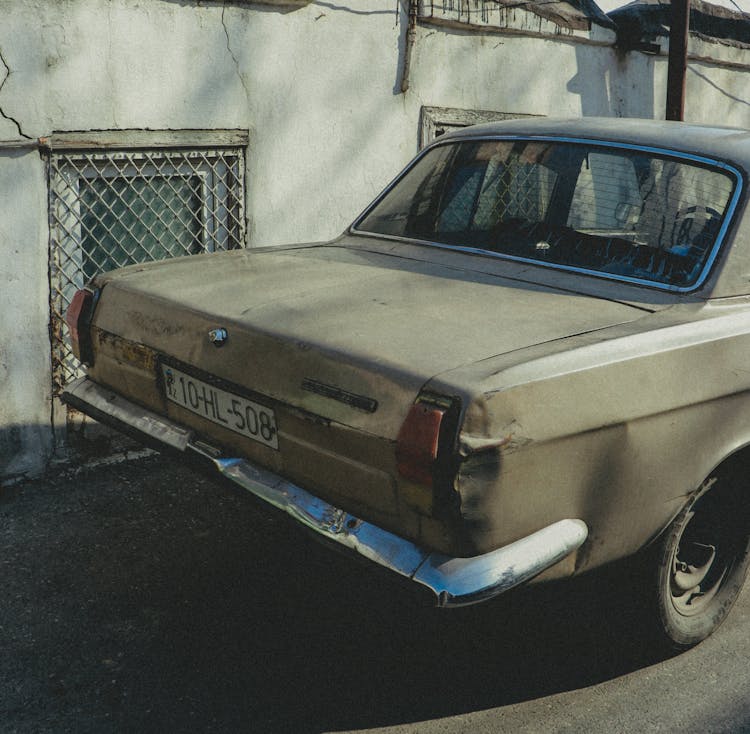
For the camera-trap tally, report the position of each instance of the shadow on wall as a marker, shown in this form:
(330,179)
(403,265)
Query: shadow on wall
(25,450)
(611,84)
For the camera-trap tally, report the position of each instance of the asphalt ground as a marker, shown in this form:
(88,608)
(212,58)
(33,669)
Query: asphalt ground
(145,597)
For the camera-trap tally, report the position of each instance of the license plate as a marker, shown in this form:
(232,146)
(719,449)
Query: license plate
(224,408)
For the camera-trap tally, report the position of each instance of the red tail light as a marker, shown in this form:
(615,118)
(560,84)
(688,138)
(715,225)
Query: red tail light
(417,443)
(78,317)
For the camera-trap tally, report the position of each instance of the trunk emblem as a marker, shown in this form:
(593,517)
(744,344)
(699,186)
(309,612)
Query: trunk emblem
(217,337)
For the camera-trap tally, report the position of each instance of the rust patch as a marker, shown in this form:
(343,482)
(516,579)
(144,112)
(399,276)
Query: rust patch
(124,350)
(153,324)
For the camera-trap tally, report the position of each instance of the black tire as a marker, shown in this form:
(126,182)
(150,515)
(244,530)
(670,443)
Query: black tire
(702,560)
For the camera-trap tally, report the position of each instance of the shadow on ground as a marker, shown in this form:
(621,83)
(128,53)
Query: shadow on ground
(143,597)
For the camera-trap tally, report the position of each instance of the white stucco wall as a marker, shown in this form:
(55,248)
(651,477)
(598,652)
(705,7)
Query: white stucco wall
(314,85)
(318,88)
(565,77)
(25,432)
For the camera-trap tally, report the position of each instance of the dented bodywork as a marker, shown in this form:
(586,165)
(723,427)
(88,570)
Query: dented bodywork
(436,402)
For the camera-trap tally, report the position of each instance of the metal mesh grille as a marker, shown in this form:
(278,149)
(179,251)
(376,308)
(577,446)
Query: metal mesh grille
(479,199)
(515,190)
(112,209)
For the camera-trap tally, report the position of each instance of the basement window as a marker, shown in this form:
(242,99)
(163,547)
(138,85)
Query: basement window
(122,198)
(437,121)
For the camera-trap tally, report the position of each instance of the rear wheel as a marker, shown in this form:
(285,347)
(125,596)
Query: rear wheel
(702,560)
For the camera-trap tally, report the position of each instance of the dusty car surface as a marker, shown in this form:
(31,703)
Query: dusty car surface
(526,359)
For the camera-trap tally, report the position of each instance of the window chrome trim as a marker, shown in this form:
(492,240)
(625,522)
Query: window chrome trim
(727,219)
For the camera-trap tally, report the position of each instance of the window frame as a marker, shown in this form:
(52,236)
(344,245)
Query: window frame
(438,121)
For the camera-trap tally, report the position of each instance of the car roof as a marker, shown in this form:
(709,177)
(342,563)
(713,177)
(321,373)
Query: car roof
(722,143)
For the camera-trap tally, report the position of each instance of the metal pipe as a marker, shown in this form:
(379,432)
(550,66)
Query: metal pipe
(678,43)
(411,35)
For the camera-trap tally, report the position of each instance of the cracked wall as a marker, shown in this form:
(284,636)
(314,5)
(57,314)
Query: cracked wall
(3,114)
(313,84)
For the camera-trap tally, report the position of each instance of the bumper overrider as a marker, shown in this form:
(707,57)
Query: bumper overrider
(453,581)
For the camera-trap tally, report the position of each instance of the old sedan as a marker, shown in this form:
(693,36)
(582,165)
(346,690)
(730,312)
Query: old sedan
(526,359)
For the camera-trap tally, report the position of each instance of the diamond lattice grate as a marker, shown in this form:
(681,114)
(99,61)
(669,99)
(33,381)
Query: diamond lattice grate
(112,209)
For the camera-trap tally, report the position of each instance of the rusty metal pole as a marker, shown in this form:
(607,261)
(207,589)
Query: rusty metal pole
(677,69)
(411,35)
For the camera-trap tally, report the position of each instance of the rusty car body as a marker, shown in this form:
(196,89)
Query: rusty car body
(528,358)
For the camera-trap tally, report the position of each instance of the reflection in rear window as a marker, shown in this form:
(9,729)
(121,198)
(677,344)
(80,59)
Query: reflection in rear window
(626,213)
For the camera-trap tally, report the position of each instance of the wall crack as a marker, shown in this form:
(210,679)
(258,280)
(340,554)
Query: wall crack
(231,53)
(3,114)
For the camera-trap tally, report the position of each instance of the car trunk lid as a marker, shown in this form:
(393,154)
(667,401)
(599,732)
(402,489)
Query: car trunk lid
(322,327)
(336,343)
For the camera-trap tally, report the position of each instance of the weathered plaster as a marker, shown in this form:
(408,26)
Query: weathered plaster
(25,432)
(3,114)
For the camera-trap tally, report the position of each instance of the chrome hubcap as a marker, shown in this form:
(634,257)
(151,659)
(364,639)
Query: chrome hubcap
(695,577)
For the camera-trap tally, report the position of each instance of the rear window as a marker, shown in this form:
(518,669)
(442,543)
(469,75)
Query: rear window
(621,212)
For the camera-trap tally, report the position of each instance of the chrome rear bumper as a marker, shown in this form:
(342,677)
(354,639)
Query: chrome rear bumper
(454,581)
